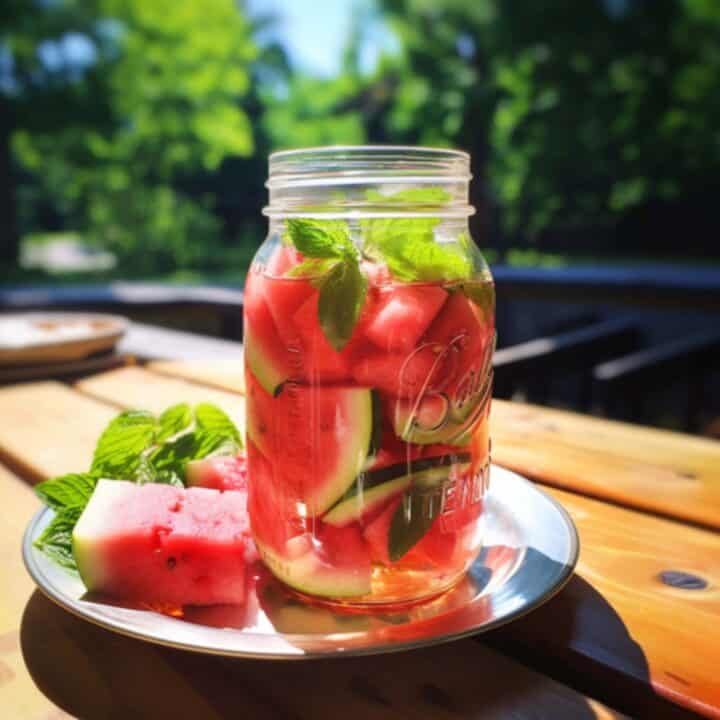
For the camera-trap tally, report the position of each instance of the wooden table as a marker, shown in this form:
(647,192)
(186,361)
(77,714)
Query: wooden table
(636,632)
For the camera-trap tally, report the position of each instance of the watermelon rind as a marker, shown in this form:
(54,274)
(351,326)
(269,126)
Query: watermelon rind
(361,503)
(91,524)
(309,574)
(270,376)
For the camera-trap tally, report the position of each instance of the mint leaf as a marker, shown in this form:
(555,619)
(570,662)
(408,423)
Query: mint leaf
(482,295)
(312,268)
(172,457)
(169,478)
(412,519)
(342,296)
(123,441)
(417,196)
(320,238)
(56,540)
(145,472)
(72,490)
(408,245)
(212,419)
(173,421)
(334,265)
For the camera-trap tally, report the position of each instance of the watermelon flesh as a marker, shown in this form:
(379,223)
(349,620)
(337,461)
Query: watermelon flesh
(316,432)
(221,472)
(161,544)
(323,438)
(404,316)
(265,353)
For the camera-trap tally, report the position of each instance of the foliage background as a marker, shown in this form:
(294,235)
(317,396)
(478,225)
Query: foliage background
(594,127)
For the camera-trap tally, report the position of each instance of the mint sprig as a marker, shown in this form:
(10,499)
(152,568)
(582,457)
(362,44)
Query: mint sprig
(334,264)
(408,245)
(139,447)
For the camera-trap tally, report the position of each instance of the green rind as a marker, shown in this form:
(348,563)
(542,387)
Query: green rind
(309,574)
(450,433)
(360,503)
(352,455)
(90,526)
(260,364)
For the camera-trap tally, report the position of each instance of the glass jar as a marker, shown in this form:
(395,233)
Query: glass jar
(369,333)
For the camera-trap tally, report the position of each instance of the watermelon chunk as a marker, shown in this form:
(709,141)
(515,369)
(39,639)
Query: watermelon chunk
(325,434)
(285,295)
(321,362)
(335,563)
(404,316)
(161,544)
(266,355)
(221,472)
(399,375)
(259,415)
(284,258)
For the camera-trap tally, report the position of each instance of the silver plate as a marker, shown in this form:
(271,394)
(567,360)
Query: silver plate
(531,548)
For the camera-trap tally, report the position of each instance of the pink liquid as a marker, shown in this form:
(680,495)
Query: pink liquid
(368,466)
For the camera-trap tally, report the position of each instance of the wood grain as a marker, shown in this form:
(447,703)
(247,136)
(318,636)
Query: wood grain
(21,700)
(223,374)
(616,627)
(665,472)
(47,428)
(118,677)
(620,623)
(135,387)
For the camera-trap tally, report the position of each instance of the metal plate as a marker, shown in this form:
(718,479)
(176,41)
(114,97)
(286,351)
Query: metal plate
(531,548)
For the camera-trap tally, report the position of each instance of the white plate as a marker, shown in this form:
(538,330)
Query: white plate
(531,548)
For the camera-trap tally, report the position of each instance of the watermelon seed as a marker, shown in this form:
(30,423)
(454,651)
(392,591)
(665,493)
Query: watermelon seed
(171,562)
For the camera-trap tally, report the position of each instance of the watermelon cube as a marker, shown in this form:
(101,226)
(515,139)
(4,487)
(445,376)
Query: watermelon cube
(320,361)
(404,316)
(221,472)
(162,544)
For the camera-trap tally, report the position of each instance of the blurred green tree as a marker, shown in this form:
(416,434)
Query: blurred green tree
(114,104)
(576,113)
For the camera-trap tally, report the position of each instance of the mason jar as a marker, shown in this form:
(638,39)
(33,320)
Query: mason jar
(369,331)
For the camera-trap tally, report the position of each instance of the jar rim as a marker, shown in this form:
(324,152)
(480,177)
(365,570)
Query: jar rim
(333,149)
(346,164)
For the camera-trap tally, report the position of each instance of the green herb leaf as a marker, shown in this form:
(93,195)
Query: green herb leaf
(320,238)
(169,478)
(408,245)
(212,419)
(342,296)
(56,540)
(418,196)
(312,268)
(121,445)
(173,421)
(145,472)
(482,295)
(72,490)
(172,457)
(412,519)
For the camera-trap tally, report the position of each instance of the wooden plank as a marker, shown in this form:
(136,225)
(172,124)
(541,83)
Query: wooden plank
(623,551)
(618,627)
(118,677)
(665,472)
(48,428)
(223,374)
(668,473)
(21,699)
(134,387)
